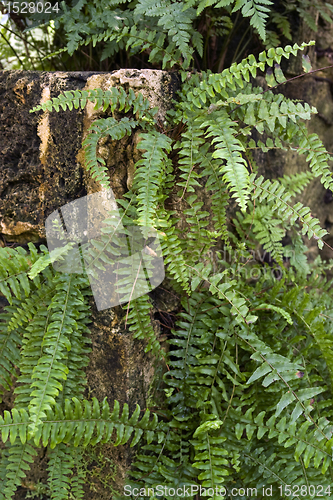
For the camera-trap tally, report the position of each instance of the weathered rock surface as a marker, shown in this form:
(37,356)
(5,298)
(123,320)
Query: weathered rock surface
(40,153)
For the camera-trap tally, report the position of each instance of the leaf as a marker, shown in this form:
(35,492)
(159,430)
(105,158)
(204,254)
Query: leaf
(271,82)
(207,426)
(281,311)
(280,78)
(306,63)
(259,372)
(286,399)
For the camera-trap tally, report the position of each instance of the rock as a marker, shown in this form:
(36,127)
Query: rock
(41,160)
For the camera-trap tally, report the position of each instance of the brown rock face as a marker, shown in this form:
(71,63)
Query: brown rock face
(38,168)
(40,153)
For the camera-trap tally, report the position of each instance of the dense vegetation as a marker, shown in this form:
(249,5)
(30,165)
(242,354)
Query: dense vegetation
(247,397)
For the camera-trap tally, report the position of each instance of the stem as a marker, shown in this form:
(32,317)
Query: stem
(237,51)
(25,41)
(226,43)
(12,48)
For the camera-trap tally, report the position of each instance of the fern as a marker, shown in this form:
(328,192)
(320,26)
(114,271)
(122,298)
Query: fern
(49,370)
(9,352)
(19,457)
(229,148)
(61,463)
(210,455)
(99,129)
(77,422)
(115,98)
(13,279)
(174,20)
(140,324)
(258,12)
(274,192)
(149,176)
(318,157)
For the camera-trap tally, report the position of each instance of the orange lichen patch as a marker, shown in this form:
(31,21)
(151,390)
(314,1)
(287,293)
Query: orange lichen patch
(15,228)
(18,90)
(29,87)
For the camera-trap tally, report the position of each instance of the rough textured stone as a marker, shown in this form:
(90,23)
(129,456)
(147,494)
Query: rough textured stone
(41,160)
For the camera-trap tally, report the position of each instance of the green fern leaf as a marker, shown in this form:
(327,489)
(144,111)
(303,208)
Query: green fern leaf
(229,148)
(149,175)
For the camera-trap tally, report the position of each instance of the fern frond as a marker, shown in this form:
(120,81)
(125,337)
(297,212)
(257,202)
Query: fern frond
(48,258)
(115,98)
(174,260)
(27,308)
(281,22)
(308,442)
(19,458)
(189,155)
(193,155)
(225,291)
(10,343)
(4,454)
(153,39)
(79,477)
(13,266)
(210,455)
(322,336)
(276,469)
(77,358)
(275,114)
(233,77)
(50,370)
(219,197)
(174,21)
(229,148)
(60,466)
(101,128)
(149,175)
(140,324)
(80,423)
(274,192)
(206,3)
(297,182)
(166,462)
(258,12)
(266,226)
(32,337)
(317,156)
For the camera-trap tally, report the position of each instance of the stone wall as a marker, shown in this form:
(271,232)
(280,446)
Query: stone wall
(40,153)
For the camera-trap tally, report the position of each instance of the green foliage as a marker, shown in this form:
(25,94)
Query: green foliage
(101,128)
(165,34)
(257,11)
(25,50)
(247,397)
(150,175)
